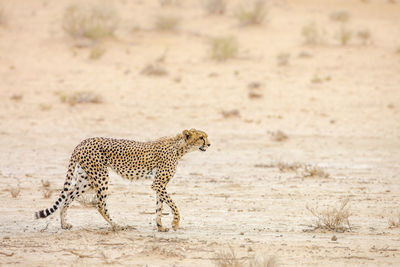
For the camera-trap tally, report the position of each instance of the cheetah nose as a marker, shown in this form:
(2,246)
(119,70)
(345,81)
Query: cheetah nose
(208,144)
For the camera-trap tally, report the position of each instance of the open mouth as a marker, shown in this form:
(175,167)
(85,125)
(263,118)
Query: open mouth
(202,149)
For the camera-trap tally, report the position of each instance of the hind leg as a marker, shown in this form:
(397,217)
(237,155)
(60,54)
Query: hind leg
(79,188)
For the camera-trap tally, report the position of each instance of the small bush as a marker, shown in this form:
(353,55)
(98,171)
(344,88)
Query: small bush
(288,167)
(311,34)
(250,15)
(81,98)
(394,222)
(95,23)
(278,136)
(215,7)
(14,191)
(96,52)
(166,23)
(344,36)
(332,218)
(314,171)
(364,36)
(340,16)
(282,59)
(154,69)
(230,259)
(224,48)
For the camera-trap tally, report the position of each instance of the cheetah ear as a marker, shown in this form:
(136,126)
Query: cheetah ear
(186,135)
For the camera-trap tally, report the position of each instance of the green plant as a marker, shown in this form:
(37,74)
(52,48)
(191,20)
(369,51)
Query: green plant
(95,22)
(166,23)
(223,48)
(332,218)
(253,14)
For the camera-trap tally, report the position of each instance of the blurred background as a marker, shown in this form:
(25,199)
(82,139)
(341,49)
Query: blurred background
(300,100)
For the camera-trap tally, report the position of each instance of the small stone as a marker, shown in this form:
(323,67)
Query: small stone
(334,238)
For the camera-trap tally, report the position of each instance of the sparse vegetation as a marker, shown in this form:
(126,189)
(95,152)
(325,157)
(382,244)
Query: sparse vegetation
(96,22)
(230,259)
(282,59)
(154,69)
(80,97)
(344,35)
(314,171)
(394,221)
(364,36)
(96,52)
(340,16)
(224,48)
(332,218)
(311,34)
(278,136)
(215,7)
(166,23)
(234,113)
(289,167)
(14,191)
(251,14)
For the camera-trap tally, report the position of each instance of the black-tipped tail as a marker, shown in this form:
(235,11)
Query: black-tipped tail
(46,212)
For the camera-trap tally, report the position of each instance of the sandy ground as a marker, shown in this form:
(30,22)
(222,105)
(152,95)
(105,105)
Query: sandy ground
(348,124)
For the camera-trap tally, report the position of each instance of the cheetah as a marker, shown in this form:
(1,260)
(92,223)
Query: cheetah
(130,159)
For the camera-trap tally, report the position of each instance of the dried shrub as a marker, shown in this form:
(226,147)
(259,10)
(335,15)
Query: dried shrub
(81,97)
(394,221)
(314,171)
(251,14)
(230,259)
(154,69)
(214,7)
(344,36)
(45,183)
(224,48)
(340,16)
(288,167)
(96,52)
(282,59)
(234,113)
(278,136)
(47,193)
(311,34)
(332,218)
(94,22)
(364,36)
(166,23)
(14,191)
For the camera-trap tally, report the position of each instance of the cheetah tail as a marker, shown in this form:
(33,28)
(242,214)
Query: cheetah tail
(47,212)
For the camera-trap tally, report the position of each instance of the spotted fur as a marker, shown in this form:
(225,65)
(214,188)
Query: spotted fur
(90,161)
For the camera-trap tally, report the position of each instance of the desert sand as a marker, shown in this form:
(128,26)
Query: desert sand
(333,104)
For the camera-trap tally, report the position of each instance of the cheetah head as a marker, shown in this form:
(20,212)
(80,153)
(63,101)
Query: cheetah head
(196,140)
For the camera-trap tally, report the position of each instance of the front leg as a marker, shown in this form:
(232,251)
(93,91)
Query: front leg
(159,185)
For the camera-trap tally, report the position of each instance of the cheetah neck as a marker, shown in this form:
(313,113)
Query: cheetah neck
(181,146)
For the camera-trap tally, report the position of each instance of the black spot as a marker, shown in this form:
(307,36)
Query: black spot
(55,207)
(51,210)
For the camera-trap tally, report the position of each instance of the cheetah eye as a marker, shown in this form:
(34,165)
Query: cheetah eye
(201,137)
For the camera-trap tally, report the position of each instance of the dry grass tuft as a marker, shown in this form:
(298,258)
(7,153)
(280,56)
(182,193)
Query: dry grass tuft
(289,167)
(282,59)
(344,36)
(364,36)
(224,48)
(332,218)
(311,34)
(214,7)
(14,191)
(230,259)
(394,222)
(96,22)
(340,16)
(314,171)
(81,97)
(252,14)
(278,136)
(154,69)
(96,52)
(45,183)
(234,113)
(47,193)
(166,23)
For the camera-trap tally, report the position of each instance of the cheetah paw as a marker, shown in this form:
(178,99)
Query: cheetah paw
(163,229)
(66,226)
